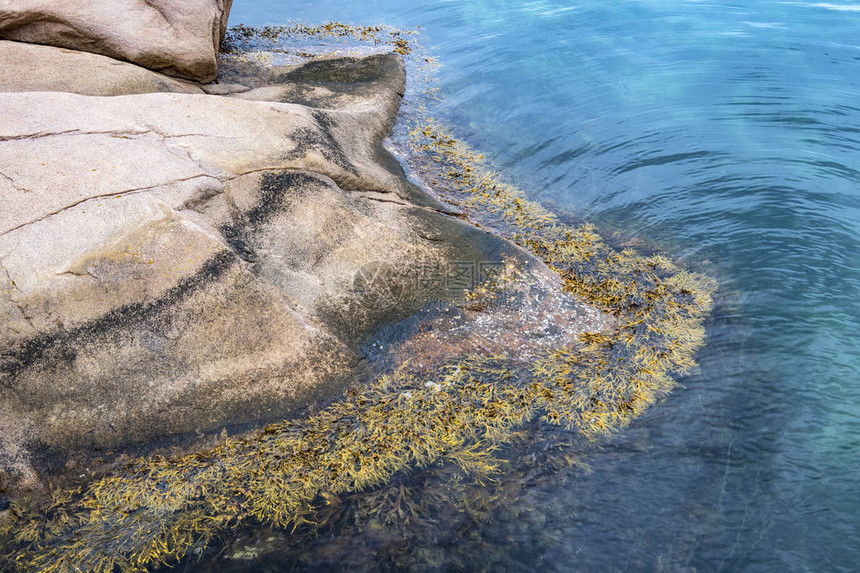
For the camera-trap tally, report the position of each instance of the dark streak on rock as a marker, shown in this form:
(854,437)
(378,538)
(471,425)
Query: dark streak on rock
(322,140)
(237,238)
(61,343)
(342,80)
(342,74)
(273,188)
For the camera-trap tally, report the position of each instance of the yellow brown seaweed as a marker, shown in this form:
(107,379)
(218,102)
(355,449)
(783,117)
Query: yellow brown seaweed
(396,39)
(155,510)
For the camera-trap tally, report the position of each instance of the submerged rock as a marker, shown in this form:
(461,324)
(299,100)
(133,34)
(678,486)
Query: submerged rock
(177,37)
(176,263)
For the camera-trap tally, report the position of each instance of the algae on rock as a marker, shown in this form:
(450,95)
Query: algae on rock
(284,475)
(157,509)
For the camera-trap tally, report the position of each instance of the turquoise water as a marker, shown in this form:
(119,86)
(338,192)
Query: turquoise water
(728,134)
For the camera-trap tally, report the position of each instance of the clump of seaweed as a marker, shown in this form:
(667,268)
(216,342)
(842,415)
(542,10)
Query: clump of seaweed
(399,525)
(399,41)
(154,511)
(660,308)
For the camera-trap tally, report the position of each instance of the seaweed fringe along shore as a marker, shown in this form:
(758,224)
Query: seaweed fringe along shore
(155,510)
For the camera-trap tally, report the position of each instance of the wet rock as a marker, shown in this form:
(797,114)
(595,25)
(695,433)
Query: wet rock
(330,83)
(520,312)
(177,37)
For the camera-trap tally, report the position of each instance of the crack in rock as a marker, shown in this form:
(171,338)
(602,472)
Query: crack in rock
(112,132)
(14,183)
(114,194)
(24,315)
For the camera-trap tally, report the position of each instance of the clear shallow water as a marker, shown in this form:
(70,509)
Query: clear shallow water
(729,135)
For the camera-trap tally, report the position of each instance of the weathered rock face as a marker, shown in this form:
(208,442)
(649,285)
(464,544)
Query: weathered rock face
(177,37)
(173,263)
(32,68)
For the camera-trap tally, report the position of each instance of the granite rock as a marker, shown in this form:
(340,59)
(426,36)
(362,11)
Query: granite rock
(31,68)
(172,264)
(177,37)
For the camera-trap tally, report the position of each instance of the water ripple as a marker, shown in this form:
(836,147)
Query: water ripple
(727,133)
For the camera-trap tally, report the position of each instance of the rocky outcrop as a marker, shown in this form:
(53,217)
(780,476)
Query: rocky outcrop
(177,37)
(174,263)
(179,258)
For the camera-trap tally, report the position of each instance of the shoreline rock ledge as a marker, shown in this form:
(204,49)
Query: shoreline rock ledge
(175,263)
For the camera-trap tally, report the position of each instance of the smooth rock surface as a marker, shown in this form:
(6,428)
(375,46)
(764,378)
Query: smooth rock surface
(173,264)
(176,37)
(32,68)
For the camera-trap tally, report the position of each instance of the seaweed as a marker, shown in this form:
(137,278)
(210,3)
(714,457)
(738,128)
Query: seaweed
(660,308)
(287,474)
(397,40)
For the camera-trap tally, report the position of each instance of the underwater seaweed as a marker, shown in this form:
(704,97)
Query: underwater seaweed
(396,39)
(155,510)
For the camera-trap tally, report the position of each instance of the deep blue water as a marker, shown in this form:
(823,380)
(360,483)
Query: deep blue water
(728,134)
